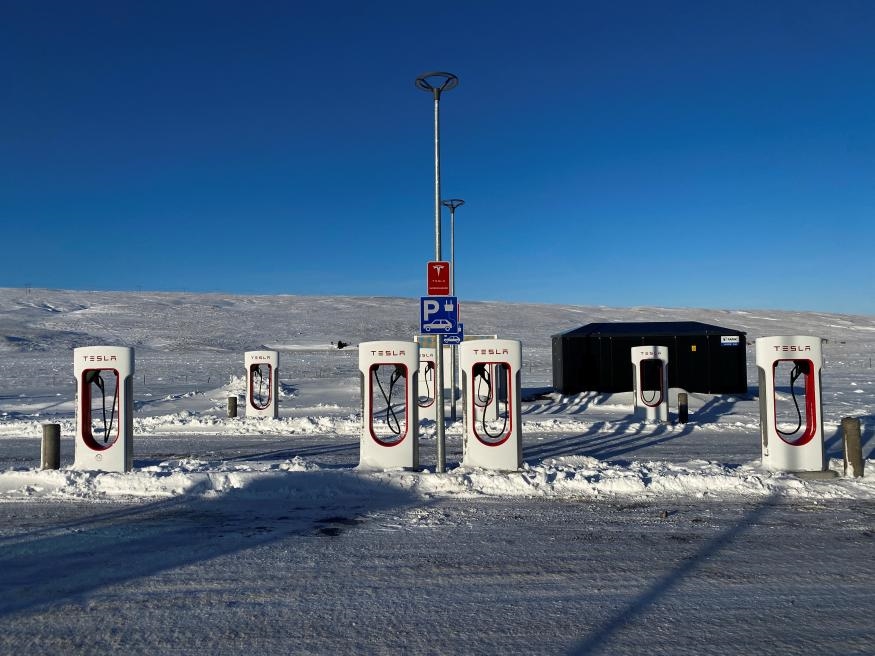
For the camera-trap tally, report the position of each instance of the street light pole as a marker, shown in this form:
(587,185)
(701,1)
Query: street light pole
(453,203)
(436,83)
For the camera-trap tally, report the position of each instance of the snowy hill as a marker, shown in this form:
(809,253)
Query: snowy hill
(55,320)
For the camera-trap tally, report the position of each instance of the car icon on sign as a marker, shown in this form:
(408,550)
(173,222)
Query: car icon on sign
(452,339)
(437,324)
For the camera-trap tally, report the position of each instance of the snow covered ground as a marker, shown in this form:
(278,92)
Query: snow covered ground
(239,535)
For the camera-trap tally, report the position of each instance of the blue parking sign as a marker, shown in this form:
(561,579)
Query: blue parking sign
(456,338)
(439,315)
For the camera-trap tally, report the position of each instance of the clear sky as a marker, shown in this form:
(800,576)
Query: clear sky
(680,154)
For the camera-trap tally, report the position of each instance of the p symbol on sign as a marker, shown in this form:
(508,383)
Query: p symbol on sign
(429,307)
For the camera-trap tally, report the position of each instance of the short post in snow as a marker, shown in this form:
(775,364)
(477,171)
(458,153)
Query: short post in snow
(683,408)
(232,406)
(50,454)
(853,446)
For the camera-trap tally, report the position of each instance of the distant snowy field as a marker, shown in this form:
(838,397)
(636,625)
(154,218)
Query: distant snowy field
(251,529)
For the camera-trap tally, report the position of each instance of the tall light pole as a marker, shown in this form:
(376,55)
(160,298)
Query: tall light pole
(453,203)
(436,82)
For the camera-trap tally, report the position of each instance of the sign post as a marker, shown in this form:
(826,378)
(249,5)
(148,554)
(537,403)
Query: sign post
(445,81)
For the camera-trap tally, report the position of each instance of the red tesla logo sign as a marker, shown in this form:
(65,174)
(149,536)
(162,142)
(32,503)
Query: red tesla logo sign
(438,278)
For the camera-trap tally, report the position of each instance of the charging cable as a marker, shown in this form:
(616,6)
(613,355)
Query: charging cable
(481,375)
(392,420)
(800,368)
(94,377)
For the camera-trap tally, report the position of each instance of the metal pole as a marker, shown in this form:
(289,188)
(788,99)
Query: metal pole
(453,203)
(452,251)
(437,175)
(453,293)
(439,341)
(447,81)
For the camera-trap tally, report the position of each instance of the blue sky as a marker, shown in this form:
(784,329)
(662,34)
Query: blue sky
(680,154)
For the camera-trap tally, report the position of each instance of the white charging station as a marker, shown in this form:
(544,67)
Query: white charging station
(791,408)
(104,408)
(390,419)
(491,390)
(650,380)
(262,383)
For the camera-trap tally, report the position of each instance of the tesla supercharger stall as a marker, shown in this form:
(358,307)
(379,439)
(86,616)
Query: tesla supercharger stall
(390,419)
(650,383)
(104,408)
(262,383)
(791,408)
(491,391)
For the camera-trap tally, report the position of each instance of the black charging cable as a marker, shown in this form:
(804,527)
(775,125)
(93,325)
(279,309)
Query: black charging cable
(798,370)
(392,420)
(94,377)
(258,397)
(656,392)
(427,377)
(481,375)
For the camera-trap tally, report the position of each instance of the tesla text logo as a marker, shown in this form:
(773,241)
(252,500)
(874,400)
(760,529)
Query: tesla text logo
(438,278)
(384,354)
(491,351)
(793,347)
(99,358)
(261,357)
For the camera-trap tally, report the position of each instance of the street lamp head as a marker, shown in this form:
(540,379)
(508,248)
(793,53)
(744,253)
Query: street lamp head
(437,82)
(452,203)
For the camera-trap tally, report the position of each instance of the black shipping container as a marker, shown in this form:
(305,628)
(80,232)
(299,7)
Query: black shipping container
(701,357)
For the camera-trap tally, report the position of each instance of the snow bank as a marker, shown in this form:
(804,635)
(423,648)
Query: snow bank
(188,422)
(568,478)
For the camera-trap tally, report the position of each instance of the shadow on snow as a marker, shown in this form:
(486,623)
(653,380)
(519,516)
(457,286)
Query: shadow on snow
(69,561)
(608,440)
(665,584)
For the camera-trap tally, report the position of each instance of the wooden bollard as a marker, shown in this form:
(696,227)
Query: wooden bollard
(232,406)
(853,446)
(683,408)
(50,453)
